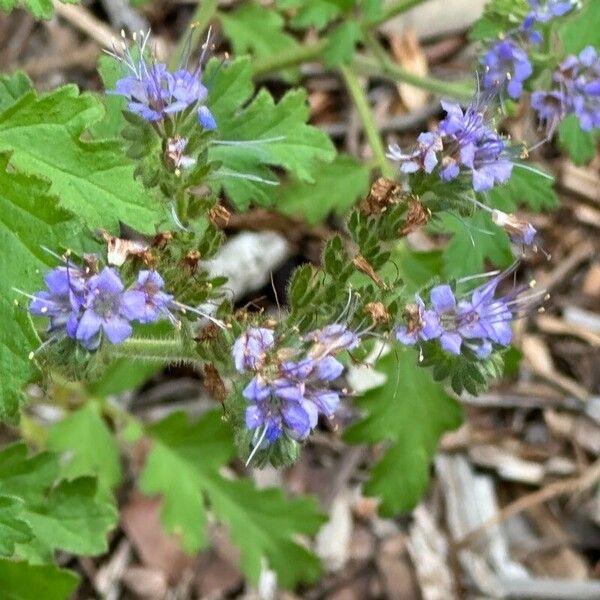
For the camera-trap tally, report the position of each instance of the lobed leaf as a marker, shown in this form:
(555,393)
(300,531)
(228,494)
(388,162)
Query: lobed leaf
(88,447)
(261,135)
(93,178)
(336,188)
(29,219)
(409,412)
(61,515)
(24,581)
(184,466)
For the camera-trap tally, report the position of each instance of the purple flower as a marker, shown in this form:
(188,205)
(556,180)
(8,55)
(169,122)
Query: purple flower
(155,94)
(484,317)
(578,81)
(332,339)
(276,408)
(108,309)
(478,320)
(329,368)
(544,11)
(551,108)
(505,62)
(473,144)
(424,158)
(62,301)
(150,283)
(249,350)
(420,324)
(520,232)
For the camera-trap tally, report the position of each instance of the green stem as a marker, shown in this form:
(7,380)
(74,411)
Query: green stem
(387,69)
(198,23)
(288,58)
(394,10)
(156,350)
(366,116)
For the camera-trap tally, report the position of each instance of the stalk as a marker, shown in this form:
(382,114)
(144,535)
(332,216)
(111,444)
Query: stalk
(366,116)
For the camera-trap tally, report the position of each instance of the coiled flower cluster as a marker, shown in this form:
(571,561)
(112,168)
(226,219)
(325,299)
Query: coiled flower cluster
(466,141)
(288,389)
(88,305)
(576,91)
(477,320)
(154,93)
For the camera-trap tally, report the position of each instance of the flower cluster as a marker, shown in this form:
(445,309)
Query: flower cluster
(155,93)
(477,320)
(87,305)
(577,90)
(506,63)
(285,397)
(465,141)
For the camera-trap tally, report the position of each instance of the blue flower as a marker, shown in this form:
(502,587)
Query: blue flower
(155,93)
(62,301)
(544,11)
(421,324)
(108,310)
(333,338)
(249,350)
(424,158)
(473,144)
(520,232)
(551,108)
(477,320)
(505,62)
(157,302)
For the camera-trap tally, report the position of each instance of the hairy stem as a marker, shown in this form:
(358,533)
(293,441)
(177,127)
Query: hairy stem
(156,350)
(200,20)
(366,116)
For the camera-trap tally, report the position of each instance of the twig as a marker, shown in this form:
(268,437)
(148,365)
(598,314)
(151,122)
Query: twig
(559,488)
(85,21)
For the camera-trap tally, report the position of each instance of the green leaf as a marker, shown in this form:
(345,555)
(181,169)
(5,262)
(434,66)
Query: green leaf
(73,518)
(341,43)
(581,145)
(62,515)
(22,581)
(264,524)
(181,458)
(417,269)
(254,29)
(29,219)
(122,375)
(13,530)
(92,178)
(184,466)
(582,28)
(12,87)
(475,240)
(110,125)
(88,447)
(336,188)
(40,9)
(315,13)
(529,185)
(409,412)
(263,134)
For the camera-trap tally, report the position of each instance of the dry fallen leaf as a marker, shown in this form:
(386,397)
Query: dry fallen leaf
(409,54)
